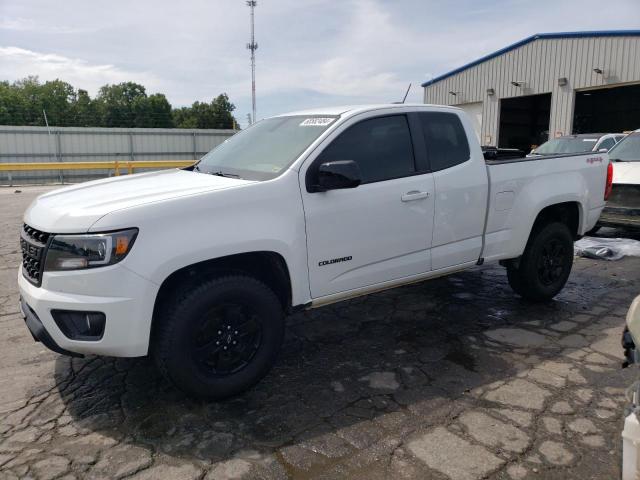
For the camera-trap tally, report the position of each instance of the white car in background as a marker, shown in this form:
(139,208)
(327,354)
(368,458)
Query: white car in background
(631,431)
(579,143)
(623,206)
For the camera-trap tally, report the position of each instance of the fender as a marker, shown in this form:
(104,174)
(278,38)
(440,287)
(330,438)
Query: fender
(223,223)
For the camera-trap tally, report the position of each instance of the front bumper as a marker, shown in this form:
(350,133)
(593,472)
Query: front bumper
(126,299)
(40,333)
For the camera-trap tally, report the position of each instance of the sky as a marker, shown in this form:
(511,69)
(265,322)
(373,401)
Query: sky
(310,53)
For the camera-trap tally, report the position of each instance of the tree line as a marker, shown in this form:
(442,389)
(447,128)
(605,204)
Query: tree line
(127,104)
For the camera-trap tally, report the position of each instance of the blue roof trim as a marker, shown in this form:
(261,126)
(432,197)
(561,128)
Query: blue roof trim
(537,36)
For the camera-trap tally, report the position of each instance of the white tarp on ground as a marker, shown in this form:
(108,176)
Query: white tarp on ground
(607,248)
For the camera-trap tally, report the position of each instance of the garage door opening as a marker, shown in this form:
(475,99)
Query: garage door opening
(607,110)
(524,121)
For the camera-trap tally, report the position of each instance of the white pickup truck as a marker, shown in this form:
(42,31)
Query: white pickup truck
(198,267)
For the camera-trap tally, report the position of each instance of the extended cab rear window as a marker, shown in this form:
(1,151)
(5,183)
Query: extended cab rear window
(445,139)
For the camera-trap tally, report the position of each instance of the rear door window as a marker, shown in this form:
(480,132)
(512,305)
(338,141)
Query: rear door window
(445,139)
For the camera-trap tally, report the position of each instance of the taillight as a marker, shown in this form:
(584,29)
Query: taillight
(609,185)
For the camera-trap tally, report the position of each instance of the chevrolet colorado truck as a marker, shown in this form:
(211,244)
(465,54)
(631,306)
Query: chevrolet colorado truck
(198,267)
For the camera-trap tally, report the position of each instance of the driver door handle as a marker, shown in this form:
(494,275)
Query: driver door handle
(414,195)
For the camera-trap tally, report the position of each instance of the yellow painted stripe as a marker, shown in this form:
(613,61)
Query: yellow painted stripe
(110,165)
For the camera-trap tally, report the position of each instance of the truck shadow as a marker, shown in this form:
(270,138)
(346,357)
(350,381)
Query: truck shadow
(395,360)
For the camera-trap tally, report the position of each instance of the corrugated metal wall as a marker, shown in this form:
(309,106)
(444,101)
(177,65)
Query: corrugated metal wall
(540,64)
(37,144)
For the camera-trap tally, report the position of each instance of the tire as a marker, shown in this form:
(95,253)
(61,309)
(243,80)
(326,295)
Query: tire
(220,338)
(545,265)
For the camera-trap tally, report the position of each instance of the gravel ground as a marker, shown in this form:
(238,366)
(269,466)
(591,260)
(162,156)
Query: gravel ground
(453,378)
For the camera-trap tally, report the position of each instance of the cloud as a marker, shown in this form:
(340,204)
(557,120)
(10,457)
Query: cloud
(16,63)
(30,25)
(360,61)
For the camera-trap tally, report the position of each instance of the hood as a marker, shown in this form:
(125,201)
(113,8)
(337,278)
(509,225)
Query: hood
(626,172)
(77,207)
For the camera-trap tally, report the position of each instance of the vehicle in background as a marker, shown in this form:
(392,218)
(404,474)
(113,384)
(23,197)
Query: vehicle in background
(198,267)
(631,431)
(580,143)
(623,205)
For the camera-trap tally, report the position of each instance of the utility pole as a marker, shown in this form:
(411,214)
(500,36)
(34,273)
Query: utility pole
(253,46)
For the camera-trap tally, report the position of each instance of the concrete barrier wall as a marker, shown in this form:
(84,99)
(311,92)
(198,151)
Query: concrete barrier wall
(60,144)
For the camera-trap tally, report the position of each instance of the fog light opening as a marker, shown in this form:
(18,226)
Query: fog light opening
(77,325)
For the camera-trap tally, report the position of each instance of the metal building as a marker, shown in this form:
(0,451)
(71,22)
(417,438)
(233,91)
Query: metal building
(547,85)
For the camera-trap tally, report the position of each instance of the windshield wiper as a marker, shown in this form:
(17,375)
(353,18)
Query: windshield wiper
(219,173)
(222,174)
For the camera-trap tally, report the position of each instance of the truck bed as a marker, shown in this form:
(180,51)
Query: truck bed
(519,187)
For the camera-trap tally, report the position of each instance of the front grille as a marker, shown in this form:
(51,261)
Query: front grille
(33,244)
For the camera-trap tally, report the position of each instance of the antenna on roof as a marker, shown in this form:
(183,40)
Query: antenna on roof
(405,95)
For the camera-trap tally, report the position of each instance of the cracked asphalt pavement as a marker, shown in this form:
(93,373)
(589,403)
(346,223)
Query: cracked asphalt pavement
(454,378)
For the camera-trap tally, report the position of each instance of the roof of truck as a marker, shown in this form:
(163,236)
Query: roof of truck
(352,109)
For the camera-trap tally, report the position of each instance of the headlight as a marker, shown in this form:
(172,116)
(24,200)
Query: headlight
(74,252)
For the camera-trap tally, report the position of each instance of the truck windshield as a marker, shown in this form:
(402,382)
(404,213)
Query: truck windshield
(265,149)
(558,146)
(628,150)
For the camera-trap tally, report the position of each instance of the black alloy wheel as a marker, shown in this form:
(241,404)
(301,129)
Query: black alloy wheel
(227,340)
(552,262)
(219,338)
(544,267)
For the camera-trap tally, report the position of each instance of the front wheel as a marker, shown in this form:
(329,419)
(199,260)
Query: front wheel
(219,338)
(545,266)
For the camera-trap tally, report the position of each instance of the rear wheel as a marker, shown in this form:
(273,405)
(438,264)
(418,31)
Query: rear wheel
(545,266)
(220,338)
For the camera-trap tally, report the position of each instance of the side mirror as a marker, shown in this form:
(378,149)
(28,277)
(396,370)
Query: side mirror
(337,175)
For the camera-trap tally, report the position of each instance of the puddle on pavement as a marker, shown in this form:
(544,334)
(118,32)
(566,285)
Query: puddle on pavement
(462,358)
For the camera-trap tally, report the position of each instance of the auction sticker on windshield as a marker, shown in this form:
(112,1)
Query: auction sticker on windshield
(317,122)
